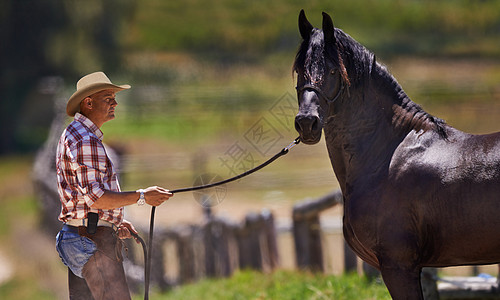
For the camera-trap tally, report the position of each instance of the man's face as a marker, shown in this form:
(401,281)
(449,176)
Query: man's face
(103,105)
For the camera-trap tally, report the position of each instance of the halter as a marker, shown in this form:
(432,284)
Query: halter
(318,91)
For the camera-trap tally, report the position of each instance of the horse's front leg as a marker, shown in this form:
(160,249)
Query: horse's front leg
(402,284)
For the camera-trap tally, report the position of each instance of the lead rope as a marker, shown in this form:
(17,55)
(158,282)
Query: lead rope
(149,250)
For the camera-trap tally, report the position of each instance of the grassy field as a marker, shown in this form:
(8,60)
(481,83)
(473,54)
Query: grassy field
(280,285)
(227,28)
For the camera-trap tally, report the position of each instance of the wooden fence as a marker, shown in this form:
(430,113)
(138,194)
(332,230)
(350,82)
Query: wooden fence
(215,248)
(307,233)
(218,247)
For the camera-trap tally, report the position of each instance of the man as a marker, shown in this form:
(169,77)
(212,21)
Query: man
(92,203)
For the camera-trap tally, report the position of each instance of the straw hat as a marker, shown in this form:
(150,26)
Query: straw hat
(88,85)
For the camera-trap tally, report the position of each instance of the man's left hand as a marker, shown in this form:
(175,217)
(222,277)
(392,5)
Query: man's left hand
(125,229)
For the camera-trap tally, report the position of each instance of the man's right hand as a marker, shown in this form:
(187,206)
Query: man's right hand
(155,195)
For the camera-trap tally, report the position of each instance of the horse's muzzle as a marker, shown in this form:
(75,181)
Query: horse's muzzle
(309,128)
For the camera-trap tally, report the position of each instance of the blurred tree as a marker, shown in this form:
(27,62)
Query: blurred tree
(40,38)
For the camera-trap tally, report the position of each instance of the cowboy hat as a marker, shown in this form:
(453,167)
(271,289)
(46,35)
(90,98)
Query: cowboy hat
(89,85)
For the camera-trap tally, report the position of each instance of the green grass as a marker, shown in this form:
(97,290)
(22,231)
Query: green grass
(24,289)
(280,285)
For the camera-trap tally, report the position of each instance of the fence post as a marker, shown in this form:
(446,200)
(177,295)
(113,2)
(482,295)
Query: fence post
(350,259)
(429,286)
(257,246)
(307,237)
(307,230)
(218,238)
(250,243)
(270,233)
(157,260)
(185,253)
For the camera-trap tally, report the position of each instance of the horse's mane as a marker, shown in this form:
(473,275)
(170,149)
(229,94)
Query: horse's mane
(356,64)
(406,113)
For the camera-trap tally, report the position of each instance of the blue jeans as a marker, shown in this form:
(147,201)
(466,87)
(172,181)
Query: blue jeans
(74,249)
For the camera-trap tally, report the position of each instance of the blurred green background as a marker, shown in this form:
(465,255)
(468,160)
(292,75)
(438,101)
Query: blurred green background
(202,74)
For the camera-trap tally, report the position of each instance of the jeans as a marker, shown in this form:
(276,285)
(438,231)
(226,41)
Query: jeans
(74,250)
(99,274)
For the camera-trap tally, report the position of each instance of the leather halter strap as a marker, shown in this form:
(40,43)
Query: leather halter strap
(319,92)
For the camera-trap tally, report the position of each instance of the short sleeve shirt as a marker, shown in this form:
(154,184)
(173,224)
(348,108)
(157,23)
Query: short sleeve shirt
(84,172)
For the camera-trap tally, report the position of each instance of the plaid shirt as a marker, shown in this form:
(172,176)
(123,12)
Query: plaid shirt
(84,172)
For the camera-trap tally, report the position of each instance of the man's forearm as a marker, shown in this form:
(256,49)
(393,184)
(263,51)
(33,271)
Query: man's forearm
(154,195)
(112,200)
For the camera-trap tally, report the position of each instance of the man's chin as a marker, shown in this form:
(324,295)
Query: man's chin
(110,117)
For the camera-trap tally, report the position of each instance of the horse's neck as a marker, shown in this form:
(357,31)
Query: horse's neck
(360,158)
(361,140)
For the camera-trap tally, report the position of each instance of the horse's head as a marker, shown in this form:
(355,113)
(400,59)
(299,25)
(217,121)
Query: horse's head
(321,77)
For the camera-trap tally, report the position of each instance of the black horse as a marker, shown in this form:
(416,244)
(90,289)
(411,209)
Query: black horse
(417,192)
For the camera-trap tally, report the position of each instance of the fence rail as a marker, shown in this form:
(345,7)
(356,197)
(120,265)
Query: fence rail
(215,248)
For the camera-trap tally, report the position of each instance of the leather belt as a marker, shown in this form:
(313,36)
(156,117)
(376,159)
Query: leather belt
(84,222)
(70,228)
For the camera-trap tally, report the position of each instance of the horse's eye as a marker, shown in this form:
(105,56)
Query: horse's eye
(332,72)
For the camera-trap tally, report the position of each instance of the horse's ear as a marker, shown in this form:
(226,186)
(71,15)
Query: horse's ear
(328,29)
(305,27)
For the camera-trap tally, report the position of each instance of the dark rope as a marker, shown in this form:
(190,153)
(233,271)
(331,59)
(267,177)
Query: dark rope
(267,162)
(144,249)
(147,262)
(147,269)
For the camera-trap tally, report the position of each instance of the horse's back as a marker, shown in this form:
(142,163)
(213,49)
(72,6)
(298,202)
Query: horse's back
(452,187)
(459,157)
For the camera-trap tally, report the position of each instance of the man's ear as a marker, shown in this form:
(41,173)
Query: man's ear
(86,104)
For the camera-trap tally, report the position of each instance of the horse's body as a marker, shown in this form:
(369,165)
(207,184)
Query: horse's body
(417,192)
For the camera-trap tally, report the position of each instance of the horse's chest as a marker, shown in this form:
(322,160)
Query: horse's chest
(361,219)
(360,235)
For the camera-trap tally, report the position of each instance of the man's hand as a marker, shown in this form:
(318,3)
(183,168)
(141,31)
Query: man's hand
(125,229)
(156,195)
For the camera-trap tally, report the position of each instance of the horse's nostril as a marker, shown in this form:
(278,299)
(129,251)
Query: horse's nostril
(307,124)
(309,127)
(315,125)
(297,126)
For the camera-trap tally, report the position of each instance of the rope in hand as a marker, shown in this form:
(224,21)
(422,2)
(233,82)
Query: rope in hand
(149,250)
